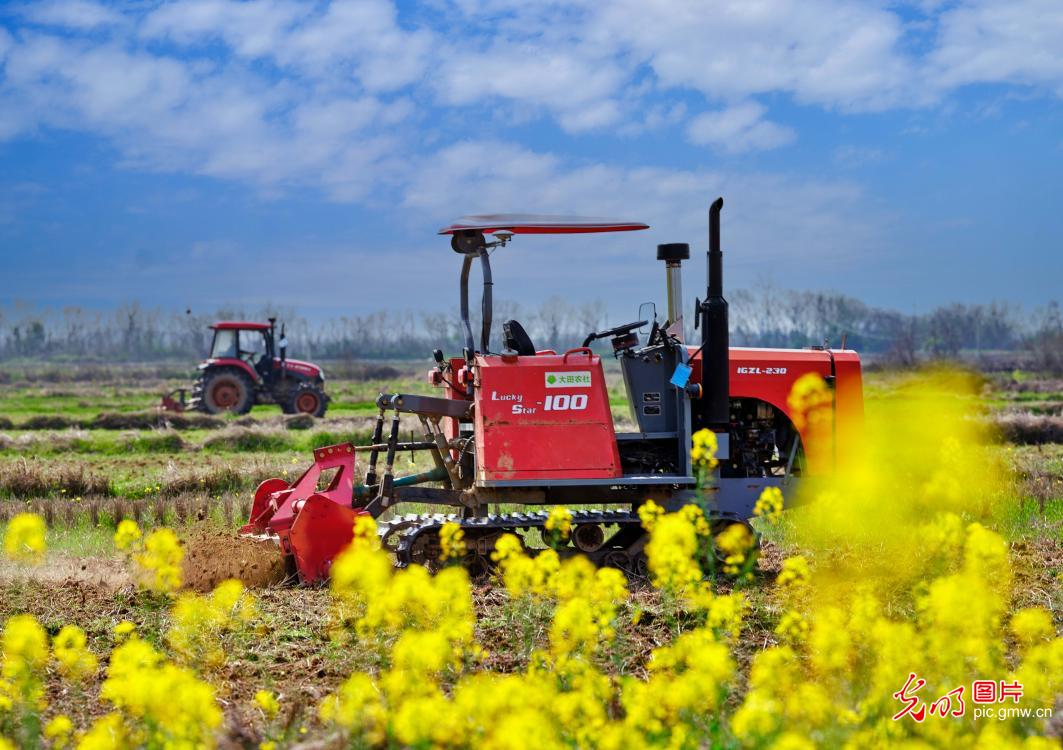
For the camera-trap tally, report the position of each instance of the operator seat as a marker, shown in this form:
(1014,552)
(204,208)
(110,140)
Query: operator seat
(517,339)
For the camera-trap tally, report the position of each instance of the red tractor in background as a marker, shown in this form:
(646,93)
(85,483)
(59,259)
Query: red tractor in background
(522,426)
(248,365)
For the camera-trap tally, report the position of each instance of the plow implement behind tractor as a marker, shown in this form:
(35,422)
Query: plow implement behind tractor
(532,428)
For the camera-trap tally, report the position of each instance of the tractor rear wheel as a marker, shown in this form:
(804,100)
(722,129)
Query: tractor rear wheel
(308,398)
(227,390)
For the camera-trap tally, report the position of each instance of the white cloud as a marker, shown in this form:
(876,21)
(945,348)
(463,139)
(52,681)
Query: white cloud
(739,128)
(250,29)
(577,89)
(827,52)
(1018,42)
(220,121)
(346,38)
(72,14)
(347,95)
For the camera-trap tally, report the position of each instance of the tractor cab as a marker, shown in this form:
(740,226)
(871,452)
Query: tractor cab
(250,343)
(542,416)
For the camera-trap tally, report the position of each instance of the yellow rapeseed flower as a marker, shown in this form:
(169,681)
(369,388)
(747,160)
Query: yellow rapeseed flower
(795,572)
(365,533)
(23,658)
(106,733)
(452,541)
(649,513)
(672,552)
(59,731)
(703,450)
(725,614)
(792,627)
(126,535)
(198,622)
(560,522)
(811,402)
(1032,625)
(267,703)
(769,505)
(157,702)
(735,543)
(76,661)
(159,564)
(24,539)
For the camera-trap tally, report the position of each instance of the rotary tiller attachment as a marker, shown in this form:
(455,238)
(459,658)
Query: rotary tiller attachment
(311,526)
(174,401)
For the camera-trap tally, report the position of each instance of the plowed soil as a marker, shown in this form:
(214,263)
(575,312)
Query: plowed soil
(212,556)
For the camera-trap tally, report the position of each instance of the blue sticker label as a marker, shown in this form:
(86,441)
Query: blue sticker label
(681,376)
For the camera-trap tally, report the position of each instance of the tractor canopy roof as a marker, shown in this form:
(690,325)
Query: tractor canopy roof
(228,325)
(537,224)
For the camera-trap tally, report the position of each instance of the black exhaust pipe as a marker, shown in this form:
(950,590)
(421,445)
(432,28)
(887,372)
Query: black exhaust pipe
(715,342)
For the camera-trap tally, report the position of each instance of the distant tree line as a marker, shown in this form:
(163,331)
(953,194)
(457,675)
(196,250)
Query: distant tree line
(766,317)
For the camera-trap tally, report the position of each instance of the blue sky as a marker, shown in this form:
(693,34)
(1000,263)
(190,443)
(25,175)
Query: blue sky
(201,153)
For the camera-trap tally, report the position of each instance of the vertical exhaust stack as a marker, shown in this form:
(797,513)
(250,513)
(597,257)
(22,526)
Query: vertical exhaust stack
(715,365)
(673,254)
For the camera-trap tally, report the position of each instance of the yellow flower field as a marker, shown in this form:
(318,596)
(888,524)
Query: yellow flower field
(886,610)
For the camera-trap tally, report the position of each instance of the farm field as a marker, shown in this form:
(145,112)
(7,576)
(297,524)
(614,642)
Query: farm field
(86,454)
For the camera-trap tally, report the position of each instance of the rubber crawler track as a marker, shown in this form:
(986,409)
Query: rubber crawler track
(622,549)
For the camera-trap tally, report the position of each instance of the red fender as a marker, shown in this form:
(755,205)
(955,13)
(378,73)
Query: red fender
(237,363)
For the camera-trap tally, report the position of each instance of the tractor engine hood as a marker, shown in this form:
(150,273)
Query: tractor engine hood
(308,369)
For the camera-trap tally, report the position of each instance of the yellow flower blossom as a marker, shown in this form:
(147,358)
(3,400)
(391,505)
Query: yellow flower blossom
(76,662)
(649,513)
(559,522)
(267,702)
(792,627)
(126,535)
(158,704)
(159,564)
(24,538)
(735,544)
(769,505)
(59,731)
(23,658)
(673,552)
(452,541)
(795,572)
(198,622)
(811,403)
(703,450)
(1032,625)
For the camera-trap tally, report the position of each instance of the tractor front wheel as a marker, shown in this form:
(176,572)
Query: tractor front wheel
(227,390)
(308,398)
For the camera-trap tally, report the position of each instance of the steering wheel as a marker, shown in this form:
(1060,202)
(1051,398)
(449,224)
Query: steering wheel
(613,332)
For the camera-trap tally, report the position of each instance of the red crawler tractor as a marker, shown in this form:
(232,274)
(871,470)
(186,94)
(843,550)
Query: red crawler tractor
(248,365)
(525,426)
